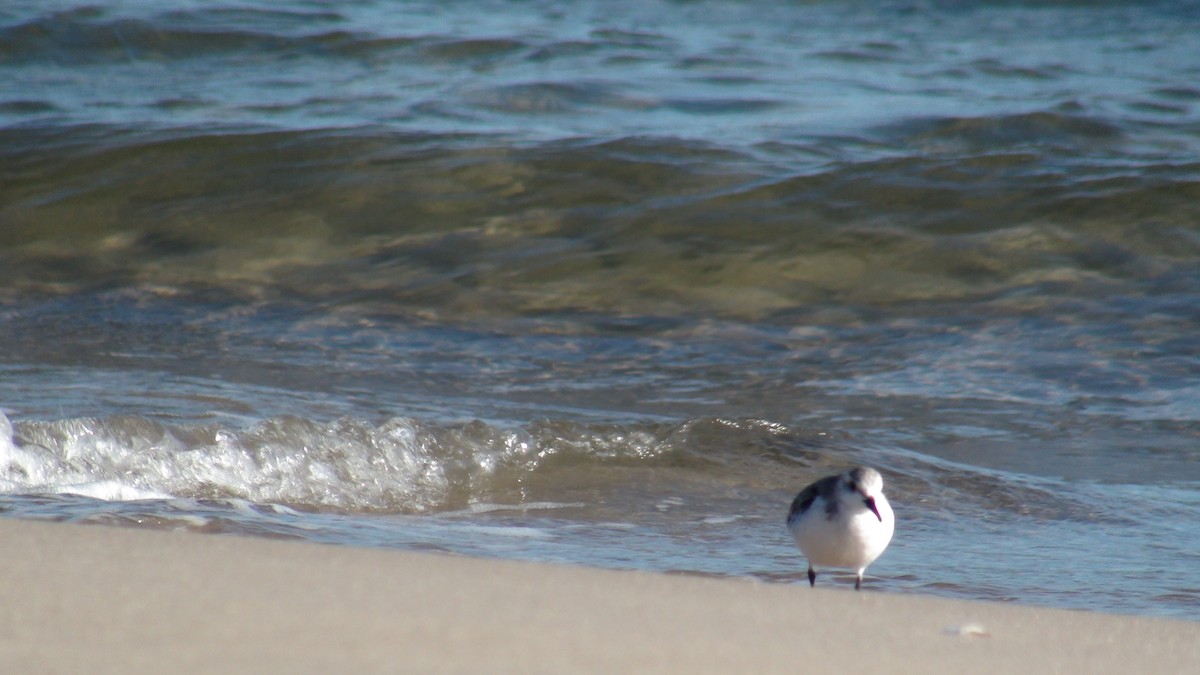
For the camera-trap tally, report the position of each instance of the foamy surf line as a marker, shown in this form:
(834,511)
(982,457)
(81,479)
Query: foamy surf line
(108,600)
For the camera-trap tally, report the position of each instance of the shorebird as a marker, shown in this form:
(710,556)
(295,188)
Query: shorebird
(842,521)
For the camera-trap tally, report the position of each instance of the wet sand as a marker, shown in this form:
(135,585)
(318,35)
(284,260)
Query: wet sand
(107,600)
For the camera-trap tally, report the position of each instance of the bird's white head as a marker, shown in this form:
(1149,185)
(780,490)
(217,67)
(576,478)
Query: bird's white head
(866,484)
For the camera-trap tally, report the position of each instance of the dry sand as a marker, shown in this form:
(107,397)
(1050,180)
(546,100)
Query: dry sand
(92,599)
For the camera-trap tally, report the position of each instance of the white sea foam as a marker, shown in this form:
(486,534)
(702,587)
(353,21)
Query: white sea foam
(481,507)
(402,465)
(106,490)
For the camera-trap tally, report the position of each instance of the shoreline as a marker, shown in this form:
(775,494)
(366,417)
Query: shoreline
(94,598)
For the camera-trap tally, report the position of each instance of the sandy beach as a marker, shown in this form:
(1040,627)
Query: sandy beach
(106,600)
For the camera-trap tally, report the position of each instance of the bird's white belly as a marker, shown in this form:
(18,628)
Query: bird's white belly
(853,543)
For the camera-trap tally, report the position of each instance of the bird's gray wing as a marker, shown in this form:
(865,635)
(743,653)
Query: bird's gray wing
(804,501)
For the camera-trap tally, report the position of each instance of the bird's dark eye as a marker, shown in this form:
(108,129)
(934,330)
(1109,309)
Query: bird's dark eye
(853,486)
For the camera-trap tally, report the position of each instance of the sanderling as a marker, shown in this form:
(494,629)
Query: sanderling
(842,521)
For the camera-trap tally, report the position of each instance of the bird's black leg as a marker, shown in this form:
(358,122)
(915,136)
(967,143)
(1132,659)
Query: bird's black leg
(858,582)
(812,577)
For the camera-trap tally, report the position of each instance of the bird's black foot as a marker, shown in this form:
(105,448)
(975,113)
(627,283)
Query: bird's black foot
(858,583)
(812,577)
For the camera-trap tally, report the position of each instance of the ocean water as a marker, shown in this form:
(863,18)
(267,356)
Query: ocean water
(606,283)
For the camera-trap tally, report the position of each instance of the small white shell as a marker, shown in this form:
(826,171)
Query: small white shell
(968,630)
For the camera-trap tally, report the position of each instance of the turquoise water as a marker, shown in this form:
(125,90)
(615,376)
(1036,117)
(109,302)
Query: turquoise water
(607,283)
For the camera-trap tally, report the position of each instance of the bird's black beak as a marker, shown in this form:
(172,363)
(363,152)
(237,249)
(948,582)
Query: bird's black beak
(870,502)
